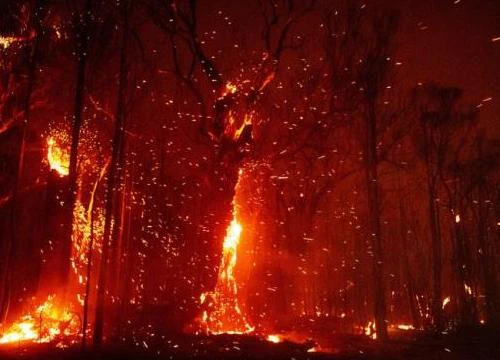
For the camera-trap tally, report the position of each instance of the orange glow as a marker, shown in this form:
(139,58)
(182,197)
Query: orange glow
(370,330)
(7,41)
(43,325)
(230,89)
(222,312)
(405,327)
(51,321)
(274,338)
(446,301)
(58,158)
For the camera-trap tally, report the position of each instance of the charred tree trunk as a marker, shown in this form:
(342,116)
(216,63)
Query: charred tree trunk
(436,253)
(410,286)
(117,141)
(486,259)
(82,51)
(90,217)
(371,177)
(462,275)
(486,246)
(87,284)
(118,221)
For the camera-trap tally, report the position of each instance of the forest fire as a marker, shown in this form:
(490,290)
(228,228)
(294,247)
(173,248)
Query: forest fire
(222,312)
(249,179)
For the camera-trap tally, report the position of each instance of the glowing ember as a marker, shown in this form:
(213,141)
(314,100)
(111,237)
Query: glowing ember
(230,89)
(43,325)
(405,327)
(58,158)
(7,41)
(274,338)
(222,312)
(446,301)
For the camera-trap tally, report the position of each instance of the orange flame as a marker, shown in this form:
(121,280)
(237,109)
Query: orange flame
(274,338)
(58,158)
(370,330)
(223,313)
(44,324)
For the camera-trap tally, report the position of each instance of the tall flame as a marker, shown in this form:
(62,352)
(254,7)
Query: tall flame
(222,312)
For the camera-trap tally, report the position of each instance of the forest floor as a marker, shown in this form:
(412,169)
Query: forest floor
(473,344)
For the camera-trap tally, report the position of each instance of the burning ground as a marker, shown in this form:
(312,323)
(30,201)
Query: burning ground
(256,179)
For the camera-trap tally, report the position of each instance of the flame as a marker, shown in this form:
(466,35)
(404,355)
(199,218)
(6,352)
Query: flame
(370,330)
(405,327)
(230,89)
(7,41)
(58,159)
(44,324)
(446,301)
(274,338)
(223,313)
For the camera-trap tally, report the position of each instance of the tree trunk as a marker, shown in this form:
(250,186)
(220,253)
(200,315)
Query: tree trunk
(75,139)
(90,217)
(488,274)
(117,140)
(410,286)
(118,222)
(436,255)
(462,272)
(371,172)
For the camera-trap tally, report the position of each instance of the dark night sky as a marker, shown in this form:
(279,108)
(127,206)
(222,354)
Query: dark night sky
(450,41)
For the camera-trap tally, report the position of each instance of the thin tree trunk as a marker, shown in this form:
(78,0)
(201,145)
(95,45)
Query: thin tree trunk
(75,139)
(87,284)
(118,221)
(436,257)
(410,286)
(461,276)
(117,139)
(485,255)
(90,216)
(374,215)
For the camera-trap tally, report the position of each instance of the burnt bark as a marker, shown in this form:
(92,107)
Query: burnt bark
(82,50)
(435,228)
(372,178)
(111,180)
(410,283)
